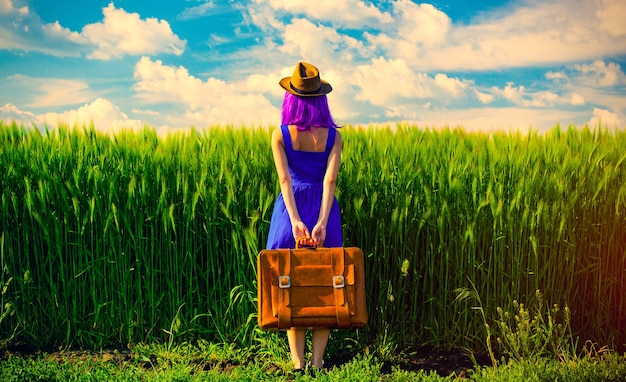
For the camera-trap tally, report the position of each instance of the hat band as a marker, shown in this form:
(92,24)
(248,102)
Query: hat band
(303,91)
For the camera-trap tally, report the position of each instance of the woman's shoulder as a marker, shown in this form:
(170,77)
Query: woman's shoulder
(337,134)
(277,135)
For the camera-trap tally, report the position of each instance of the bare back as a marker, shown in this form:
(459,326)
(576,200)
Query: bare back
(313,139)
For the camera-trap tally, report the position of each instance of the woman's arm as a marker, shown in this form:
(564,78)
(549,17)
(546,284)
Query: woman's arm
(286,185)
(328,195)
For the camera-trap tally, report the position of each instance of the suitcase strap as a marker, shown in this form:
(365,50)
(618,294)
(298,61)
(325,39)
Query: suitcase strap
(339,286)
(284,284)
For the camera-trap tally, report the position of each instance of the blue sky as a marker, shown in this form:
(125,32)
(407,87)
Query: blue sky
(483,65)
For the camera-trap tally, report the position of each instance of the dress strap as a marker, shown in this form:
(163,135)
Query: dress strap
(330,140)
(286,138)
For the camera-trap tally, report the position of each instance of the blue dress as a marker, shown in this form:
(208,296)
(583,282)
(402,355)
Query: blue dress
(307,171)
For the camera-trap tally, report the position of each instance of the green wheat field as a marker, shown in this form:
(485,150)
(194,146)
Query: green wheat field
(108,240)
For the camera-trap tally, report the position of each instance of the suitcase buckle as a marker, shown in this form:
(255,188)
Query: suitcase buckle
(338,282)
(284,282)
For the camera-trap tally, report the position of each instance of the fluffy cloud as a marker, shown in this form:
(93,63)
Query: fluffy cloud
(11,113)
(611,14)
(421,23)
(383,82)
(122,33)
(118,34)
(599,73)
(103,113)
(605,118)
(376,87)
(304,39)
(484,98)
(520,96)
(205,102)
(6,6)
(347,13)
(524,33)
(24,31)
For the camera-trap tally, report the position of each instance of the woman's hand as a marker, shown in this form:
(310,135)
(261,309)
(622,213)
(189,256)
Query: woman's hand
(319,234)
(299,230)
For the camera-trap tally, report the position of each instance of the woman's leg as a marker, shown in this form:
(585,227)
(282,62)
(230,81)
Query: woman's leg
(296,346)
(320,340)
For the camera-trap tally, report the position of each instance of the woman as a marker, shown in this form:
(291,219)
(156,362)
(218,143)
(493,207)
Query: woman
(307,152)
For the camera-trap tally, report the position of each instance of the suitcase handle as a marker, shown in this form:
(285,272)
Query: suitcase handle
(304,242)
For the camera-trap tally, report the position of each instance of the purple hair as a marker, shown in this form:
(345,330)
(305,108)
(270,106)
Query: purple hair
(305,112)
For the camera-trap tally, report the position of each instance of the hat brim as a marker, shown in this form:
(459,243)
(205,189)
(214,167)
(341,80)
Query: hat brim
(325,88)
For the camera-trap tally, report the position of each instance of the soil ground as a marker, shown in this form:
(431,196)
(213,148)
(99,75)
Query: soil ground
(443,362)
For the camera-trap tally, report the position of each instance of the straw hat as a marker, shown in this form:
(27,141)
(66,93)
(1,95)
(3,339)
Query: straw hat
(305,82)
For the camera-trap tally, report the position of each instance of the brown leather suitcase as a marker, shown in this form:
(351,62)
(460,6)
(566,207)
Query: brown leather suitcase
(311,288)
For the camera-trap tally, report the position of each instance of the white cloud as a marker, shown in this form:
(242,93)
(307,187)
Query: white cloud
(383,82)
(302,38)
(11,113)
(145,112)
(122,33)
(520,34)
(105,116)
(519,96)
(599,73)
(512,93)
(420,23)
(263,17)
(605,118)
(39,92)
(205,102)
(556,76)
(216,40)
(22,30)
(57,32)
(611,14)
(416,30)
(205,9)
(118,34)
(452,86)
(59,92)
(577,99)
(103,113)
(484,98)
(348,13)
(264,83)
(6,6)
(498,118)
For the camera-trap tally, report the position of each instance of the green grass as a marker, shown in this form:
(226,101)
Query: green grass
(208,362)
(139,238)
